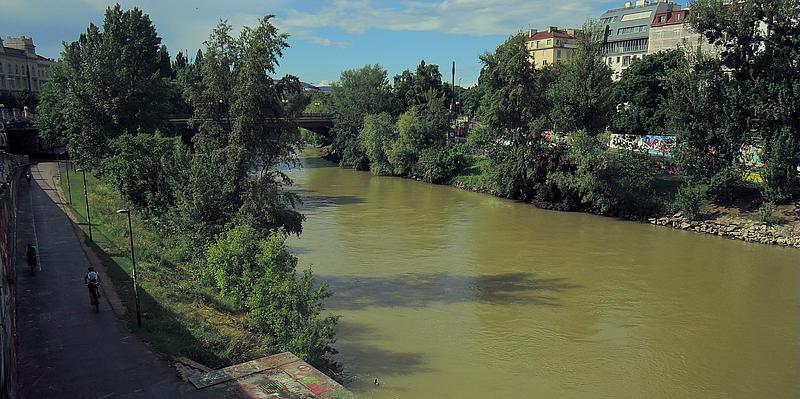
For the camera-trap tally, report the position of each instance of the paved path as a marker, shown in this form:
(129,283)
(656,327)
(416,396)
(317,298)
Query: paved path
(66,350)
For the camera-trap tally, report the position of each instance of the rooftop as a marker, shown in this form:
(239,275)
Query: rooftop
(550,33)
(670,18)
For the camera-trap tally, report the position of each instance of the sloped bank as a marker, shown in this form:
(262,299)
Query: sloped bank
(727,226)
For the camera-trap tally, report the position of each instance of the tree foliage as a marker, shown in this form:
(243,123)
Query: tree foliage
(581,94)
(359,92)
(108,83)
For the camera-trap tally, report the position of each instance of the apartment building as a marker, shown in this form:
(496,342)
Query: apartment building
(670,30)
(551,46)
(626,31)
(21,69)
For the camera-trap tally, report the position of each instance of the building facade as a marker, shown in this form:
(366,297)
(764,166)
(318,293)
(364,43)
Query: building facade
(670,31)
(21,69)
(626,31)
(550,47)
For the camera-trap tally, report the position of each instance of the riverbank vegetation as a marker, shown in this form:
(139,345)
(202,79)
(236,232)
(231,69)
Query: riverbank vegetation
(542,135)
(211,198)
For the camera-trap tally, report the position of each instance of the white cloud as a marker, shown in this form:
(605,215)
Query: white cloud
(470,17)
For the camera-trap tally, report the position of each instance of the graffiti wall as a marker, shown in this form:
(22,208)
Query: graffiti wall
(629,142)
(658,145)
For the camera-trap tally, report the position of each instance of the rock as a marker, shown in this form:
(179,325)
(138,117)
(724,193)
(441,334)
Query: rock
(685,225)
(677,215)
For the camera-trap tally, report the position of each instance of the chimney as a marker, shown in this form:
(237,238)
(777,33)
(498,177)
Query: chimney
(552,28)
(640,3)
(628,4)
(531,32)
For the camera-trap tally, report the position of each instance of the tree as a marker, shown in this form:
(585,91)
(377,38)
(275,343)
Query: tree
(415,133)
(640,96)
(230,172)
(164,64)
(512,109)
(259,274)
(417,89)
(134,170)
(377,136)
(358,93)
(759,44)
(581,94)
(107,84)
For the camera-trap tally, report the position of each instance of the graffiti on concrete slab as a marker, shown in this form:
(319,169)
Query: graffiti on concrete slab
(750,155)
(658,145)
(630,142)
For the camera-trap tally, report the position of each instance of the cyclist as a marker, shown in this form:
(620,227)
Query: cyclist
(92,281)
(31,254)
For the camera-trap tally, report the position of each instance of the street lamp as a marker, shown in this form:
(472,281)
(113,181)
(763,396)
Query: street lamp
(86,197)
(69,184)
(133,267)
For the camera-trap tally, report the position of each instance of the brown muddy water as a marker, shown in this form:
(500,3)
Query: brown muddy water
(446,293)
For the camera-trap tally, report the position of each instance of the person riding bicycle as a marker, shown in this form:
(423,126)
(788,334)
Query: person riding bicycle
(92,281)
(31,254)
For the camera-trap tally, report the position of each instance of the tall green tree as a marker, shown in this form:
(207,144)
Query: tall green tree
(759,44)
(581,96)
(358,93)
(377,136)
(245,134)
(641,94)
(107,84)
(513,109)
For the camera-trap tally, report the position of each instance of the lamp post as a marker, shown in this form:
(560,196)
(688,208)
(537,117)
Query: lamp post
(86,197)
(69,184)
(133,267)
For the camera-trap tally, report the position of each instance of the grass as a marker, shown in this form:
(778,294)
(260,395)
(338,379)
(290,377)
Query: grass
(180,316)
(476,175)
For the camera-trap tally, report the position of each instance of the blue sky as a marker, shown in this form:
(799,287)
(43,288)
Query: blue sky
(327,36)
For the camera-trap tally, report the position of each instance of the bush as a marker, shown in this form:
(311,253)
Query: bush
(722,186)
(259,274)
(439,164)
(133,169)
(690,199)
(765,213)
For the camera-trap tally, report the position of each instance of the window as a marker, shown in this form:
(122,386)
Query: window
(632,29)
(617,60)
(662,19)
(549,41)
(2,82)
(626,60)
(16,68)
(558,53)
(1,67)
(679,17)
(544,62)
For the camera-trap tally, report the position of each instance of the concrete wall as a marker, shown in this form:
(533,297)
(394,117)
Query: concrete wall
(11,169)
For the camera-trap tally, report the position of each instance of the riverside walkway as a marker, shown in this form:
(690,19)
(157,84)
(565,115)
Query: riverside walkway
(65,349)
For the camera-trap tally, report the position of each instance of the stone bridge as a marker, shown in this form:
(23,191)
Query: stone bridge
(317,123)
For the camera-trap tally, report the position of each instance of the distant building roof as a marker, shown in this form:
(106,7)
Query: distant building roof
(670,18)
(550,33)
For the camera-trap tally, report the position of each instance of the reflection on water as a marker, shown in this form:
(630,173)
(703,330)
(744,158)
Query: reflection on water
(450,294)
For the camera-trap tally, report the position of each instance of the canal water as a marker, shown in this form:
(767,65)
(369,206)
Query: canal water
(446,293)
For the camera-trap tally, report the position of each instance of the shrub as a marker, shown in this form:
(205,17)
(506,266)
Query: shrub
(690,199)
(722,186)
(439,164)
(765,213)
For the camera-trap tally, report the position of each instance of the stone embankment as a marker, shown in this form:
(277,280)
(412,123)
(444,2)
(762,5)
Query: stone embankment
(737,228)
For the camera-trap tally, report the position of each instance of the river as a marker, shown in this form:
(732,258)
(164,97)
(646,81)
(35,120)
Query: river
(446,293)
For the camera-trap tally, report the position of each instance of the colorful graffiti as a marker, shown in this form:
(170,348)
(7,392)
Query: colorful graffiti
(658,145)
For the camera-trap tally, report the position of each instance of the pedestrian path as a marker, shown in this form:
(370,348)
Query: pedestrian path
(66,350)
